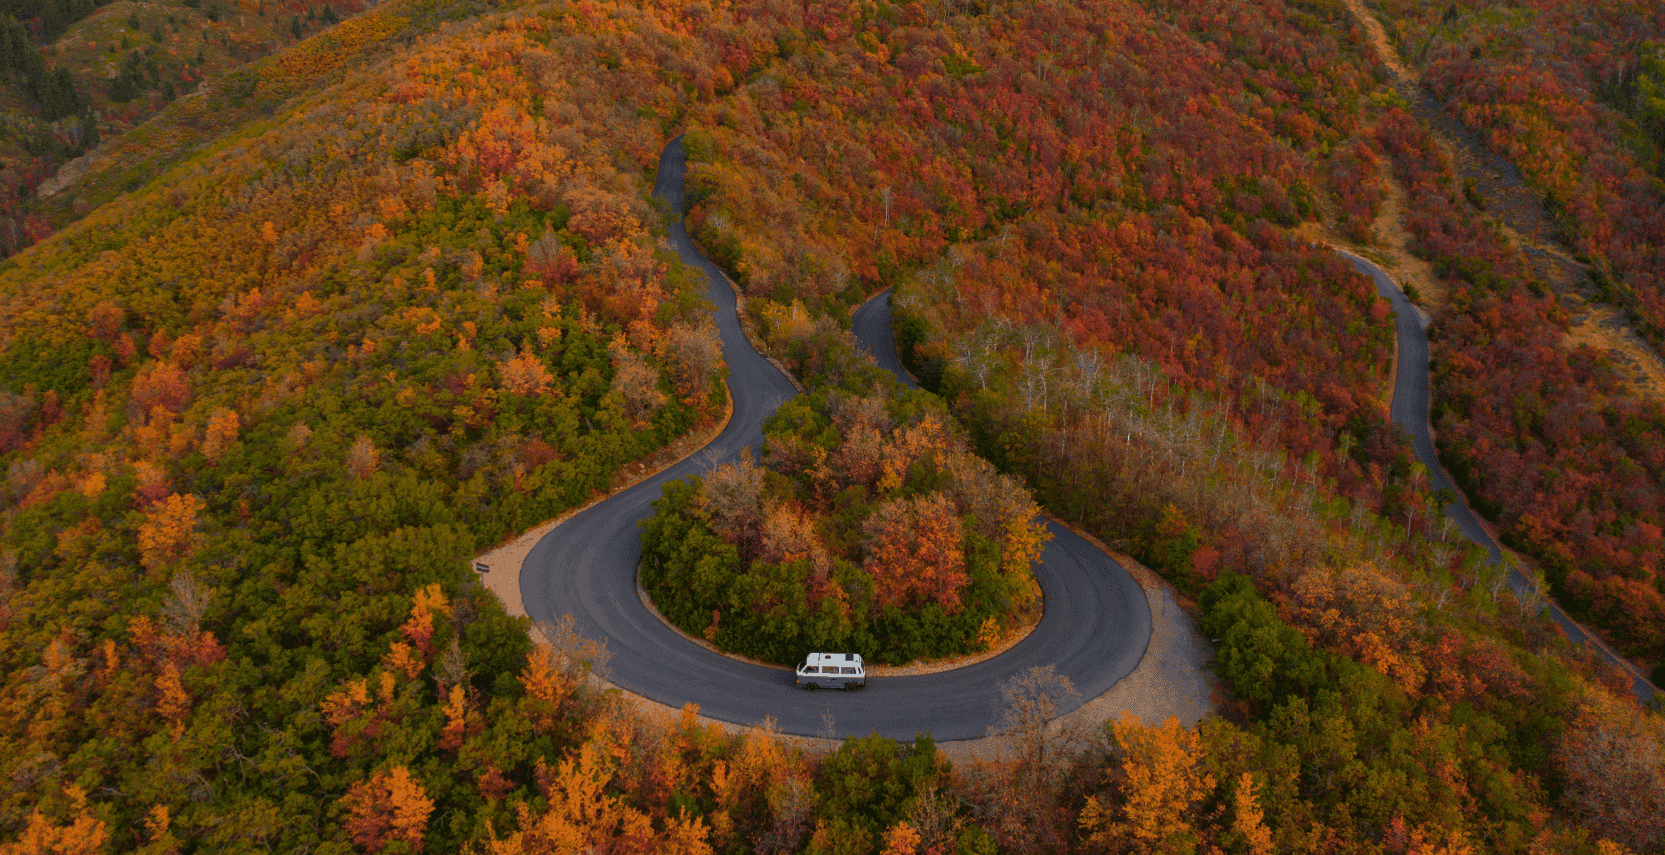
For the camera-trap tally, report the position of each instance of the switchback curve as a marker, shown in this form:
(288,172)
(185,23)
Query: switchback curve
(1095,628)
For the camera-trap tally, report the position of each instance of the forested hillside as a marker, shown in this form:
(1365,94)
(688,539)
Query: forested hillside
(1129,326)
(1070,159)
(1553,439)
(903,159)
(259,408)
(1571,95)
(258,417)
(76,73)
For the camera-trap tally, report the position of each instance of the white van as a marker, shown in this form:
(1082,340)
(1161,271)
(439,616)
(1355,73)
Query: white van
(832,671)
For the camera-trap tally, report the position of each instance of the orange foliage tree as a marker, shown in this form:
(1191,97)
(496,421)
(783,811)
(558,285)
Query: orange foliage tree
(580,814)
(390,807)
(913,552)
(81,834)
(1162,781)
(221,432)
(169,532)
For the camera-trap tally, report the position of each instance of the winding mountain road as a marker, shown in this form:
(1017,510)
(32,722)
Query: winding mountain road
(1097,622)
(1095,629)
(1410,411)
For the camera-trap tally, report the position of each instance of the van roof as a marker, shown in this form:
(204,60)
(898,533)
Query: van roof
(834,657)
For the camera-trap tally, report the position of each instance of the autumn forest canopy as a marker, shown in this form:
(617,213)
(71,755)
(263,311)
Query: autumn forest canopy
(285,351)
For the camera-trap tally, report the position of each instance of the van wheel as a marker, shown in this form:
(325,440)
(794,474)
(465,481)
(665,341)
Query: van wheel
(812,687)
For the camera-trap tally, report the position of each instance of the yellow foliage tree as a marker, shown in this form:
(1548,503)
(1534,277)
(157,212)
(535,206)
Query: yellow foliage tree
(913,552)
(1362,612)
(525,375)
(411,806)
(341,706)
(153,481)
(925,440)
(162,840)
(635,384)
(901,839)
(1421,840)
(362,458)
(784,324)
(1162,781)
(402,658)
(173,703)
(429,601)
(169,532)
(580,814)
(221,433)
(692,353)
(456,720)
(547,687)
(1247,817)
(91,484)
(788,534)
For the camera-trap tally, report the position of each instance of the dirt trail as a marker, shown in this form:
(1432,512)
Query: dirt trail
(1506,198)
(1395,240)
(1378,39)
(1604,327)
(1391,238)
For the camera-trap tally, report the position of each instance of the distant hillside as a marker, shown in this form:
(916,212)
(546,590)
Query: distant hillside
(80,74)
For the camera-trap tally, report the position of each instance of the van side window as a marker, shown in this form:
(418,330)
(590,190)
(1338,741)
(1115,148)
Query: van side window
(812,670)
(849,670)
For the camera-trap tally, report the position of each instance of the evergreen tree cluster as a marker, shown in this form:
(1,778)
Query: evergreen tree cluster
(52,90)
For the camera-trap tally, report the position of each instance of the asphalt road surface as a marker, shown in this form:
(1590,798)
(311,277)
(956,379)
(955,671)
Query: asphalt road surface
(1095,628)
(1410,411)
(871,324)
